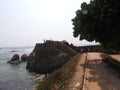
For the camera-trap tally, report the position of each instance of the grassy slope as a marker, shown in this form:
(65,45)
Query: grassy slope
(59,79)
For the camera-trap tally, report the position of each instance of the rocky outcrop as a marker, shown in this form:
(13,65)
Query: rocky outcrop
(49,56)
(14,62)
(15,59)
(24,57)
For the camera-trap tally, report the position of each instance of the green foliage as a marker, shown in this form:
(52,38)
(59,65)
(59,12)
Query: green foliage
(58,79)
(99,20)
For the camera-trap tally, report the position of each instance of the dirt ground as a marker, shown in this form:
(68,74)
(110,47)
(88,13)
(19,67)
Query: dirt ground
(116,56)
(76,81)
(97,75)
(100,76)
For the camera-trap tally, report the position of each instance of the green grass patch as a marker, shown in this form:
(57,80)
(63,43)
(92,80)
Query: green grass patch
(59,78)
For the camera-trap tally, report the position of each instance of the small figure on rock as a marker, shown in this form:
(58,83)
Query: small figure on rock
(24,57)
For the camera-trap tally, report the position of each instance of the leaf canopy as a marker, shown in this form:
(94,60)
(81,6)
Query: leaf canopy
(99,21)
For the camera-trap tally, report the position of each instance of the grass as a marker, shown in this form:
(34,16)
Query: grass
(59,78)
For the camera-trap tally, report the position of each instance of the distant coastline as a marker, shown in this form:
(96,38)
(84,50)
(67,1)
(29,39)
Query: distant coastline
(17,47)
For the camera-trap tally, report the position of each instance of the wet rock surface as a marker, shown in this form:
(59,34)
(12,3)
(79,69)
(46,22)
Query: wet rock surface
(24,57)
(15,59)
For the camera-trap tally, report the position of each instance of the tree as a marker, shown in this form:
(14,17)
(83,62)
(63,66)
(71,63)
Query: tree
(99,21)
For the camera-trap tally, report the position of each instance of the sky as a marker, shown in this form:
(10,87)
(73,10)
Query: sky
(27,22)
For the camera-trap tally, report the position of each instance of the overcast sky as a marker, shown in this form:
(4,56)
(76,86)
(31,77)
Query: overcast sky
(27,22)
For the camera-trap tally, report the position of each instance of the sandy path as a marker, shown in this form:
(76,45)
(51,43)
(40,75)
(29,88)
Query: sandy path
(77,79)
(100,76)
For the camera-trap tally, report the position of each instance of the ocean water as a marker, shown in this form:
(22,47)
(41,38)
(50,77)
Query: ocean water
(15,77)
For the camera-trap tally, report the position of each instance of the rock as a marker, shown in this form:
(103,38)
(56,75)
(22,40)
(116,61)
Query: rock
(15,57)
(49,56)
(14,62)
(13,51)
(24,57)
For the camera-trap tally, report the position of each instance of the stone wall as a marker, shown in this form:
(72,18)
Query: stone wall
(94,48)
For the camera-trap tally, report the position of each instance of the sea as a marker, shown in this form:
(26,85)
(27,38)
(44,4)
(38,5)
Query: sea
(16,77)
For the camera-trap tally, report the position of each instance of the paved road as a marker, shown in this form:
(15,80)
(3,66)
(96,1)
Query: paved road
(99,76)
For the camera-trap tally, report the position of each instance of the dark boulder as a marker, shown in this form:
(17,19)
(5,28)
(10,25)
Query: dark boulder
(15,59)
(24,57)
(49,56)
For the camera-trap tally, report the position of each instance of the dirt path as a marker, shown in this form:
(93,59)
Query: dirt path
(76,81)
(99,76)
